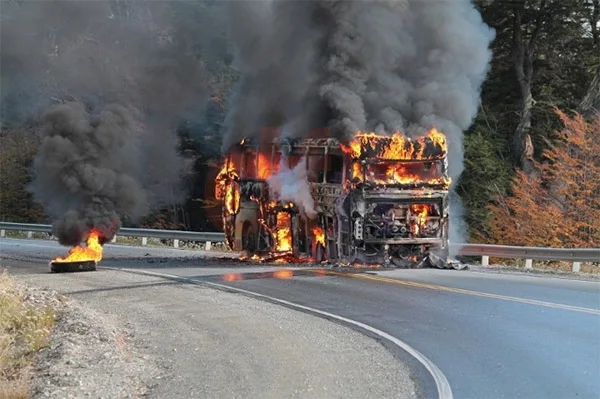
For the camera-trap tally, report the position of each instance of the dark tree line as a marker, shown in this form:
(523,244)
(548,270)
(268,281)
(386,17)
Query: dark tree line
(546,56)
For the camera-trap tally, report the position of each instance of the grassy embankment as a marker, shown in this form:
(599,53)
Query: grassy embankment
(25,328)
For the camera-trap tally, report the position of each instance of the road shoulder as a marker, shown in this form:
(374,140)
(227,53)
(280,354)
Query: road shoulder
(179,340)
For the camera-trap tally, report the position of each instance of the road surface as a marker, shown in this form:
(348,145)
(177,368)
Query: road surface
(491,335)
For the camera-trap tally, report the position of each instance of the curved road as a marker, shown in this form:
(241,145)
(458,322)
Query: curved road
(492,335)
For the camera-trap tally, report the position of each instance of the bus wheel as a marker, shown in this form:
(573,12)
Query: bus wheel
(320,253)
(248,238)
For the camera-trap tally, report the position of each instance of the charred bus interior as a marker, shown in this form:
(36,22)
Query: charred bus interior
(336,205)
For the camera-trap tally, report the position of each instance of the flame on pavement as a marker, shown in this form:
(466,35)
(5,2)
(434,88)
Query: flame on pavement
(92,251)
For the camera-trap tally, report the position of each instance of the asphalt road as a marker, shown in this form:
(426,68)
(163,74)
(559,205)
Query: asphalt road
(190,341)
(492,335)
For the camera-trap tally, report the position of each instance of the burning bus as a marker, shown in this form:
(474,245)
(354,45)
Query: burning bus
(375,200)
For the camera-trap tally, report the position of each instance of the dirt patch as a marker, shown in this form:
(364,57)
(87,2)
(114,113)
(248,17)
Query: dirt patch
(87,353)
(90,356)
(554,272)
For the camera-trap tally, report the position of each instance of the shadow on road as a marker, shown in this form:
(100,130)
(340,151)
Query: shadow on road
(124,287)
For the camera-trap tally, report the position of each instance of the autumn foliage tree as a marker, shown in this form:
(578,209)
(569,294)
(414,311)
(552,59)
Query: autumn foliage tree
(559,205)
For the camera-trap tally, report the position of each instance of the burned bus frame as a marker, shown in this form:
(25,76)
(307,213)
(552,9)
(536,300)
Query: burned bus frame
(361,221)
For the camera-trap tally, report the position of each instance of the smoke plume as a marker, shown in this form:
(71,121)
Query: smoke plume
(291,185)
(111,80)
(82,171)
(381,66)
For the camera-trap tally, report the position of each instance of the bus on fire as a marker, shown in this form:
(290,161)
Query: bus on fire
(375,200)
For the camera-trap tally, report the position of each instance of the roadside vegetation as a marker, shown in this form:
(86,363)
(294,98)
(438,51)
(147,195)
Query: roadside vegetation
(25,328)
(558,203)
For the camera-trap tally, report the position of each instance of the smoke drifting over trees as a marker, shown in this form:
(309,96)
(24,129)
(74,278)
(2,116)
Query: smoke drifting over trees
(112,82)
(352,66)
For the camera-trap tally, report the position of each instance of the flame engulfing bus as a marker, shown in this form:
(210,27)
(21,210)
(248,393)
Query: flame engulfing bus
(376,200)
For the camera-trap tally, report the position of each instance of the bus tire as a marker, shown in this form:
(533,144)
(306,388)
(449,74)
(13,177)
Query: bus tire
(248,238)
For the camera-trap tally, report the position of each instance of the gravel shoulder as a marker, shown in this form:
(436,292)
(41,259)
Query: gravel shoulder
(127,335)
(536,272)
(90,354)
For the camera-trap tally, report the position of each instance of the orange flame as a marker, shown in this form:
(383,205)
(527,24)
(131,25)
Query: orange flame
(396,147)
(357,172)
(438,139)
(420,212)
(397,173)
(227,189)
(92,250)
(254,257)
(366,265)
(232,277)
(264,167)
(284,232)
(319,235)
(283,274)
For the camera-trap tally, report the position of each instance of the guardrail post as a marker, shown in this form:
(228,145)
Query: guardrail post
(176,243)
(485,260)
(29,234)
(114,239)
(207,246)
(144,241)
(528,263)
(576,267)
(2,233)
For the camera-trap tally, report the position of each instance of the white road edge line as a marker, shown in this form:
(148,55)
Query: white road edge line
(441,382)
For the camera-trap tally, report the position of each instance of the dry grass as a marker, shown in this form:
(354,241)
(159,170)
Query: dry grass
(24,330)
(585,267)
(22,234)
(560,266)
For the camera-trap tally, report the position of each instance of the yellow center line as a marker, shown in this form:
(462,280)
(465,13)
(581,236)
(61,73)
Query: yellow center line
(470,292)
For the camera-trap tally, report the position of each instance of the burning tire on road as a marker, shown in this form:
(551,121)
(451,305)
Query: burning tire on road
(81,258)
(73,267)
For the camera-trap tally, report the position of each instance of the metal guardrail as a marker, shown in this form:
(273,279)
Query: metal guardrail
(534,253)
(485,251)
(175,235)
(38,228)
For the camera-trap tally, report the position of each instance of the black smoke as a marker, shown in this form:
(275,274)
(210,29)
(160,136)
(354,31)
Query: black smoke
(111,81)
(83,172)
(377,66)
(382,66)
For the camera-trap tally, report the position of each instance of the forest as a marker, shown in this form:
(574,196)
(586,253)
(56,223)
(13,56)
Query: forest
(532,154)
